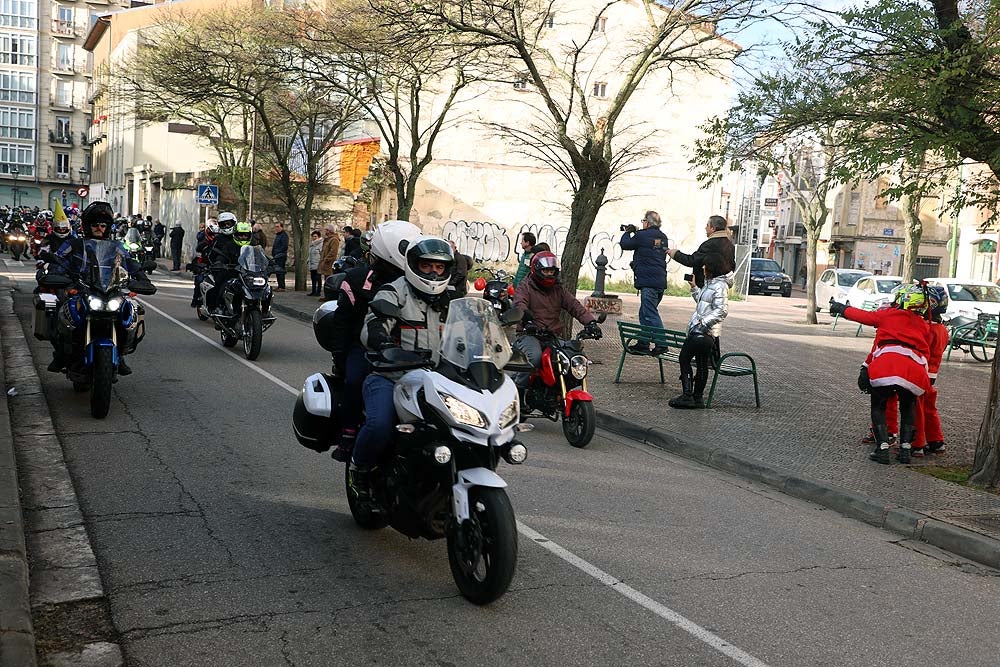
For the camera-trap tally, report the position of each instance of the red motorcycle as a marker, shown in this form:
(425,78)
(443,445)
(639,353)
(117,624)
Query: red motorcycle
(557,389)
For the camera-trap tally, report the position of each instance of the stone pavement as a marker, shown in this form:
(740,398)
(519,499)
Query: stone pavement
(811,419)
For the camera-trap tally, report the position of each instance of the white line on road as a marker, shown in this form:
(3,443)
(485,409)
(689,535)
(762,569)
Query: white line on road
(701,634)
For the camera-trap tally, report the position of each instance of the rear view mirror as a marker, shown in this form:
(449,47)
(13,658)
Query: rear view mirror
(54,281)
(511,316)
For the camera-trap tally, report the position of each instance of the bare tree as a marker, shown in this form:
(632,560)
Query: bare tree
(581,136)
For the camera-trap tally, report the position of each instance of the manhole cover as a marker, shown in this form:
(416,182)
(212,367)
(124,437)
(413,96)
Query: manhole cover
(986,523)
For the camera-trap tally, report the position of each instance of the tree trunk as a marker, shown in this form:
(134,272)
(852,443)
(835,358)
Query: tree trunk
(812,244)
(300,241)
(587,203)
(913,232)
(986,467)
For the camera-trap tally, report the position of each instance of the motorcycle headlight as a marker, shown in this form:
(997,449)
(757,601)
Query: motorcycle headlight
(259,282)
(509,414)
(114,304)
(464,413)
(578,366)
(95,303)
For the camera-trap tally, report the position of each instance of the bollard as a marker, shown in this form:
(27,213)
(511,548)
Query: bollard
(598,301)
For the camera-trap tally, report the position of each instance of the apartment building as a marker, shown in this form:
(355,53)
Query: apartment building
(44,72)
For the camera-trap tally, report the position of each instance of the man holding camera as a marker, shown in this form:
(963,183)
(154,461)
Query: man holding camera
(718,243)
(649,263)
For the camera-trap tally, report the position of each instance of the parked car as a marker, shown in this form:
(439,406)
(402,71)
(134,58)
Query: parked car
(766,277)
(872,288)
(834,283)
(969,297)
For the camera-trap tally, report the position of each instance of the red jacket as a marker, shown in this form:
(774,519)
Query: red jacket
(901,351)
(938,343)
(546,305)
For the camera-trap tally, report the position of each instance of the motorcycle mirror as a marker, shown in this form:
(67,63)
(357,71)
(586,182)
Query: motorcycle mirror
(480,283)
(511,316)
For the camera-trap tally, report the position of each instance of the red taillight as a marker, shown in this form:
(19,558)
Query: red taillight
(480,283)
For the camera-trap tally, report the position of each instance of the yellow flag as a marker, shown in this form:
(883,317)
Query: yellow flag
(58,214)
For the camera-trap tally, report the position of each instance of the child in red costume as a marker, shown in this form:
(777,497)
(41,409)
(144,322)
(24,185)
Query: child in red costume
(898,364)
(930,430)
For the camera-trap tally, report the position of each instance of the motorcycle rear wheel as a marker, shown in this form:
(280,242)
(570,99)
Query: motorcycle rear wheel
(100,389)
(253,334)
(227,340)
(579,426)
(363,516)
(489,576)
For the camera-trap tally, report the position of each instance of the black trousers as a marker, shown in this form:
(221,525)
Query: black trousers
(699,348)
(907,411)
(315,278)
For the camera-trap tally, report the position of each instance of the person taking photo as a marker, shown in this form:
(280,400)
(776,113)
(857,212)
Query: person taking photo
(649,263)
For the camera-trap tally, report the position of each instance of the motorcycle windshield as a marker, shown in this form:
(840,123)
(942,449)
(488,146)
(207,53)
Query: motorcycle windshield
(132,239)
(104,265)
(473,333)
(253,259)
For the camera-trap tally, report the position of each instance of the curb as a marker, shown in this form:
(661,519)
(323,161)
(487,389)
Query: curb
(292,311)
(17,638)
(873,511)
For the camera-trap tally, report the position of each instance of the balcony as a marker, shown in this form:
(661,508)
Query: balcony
(96,134)
(61,139)
(65,29)
(63,66)
(67,103)
(94,90)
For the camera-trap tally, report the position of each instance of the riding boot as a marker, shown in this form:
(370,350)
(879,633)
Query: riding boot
(686,400)
(906,434)
(123,368)
(881,452)
(345,447)
(361,482)
(57,363)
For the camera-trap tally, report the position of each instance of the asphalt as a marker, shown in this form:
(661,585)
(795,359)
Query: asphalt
(220,541)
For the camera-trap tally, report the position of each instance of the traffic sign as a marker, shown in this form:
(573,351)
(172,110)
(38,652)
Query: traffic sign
(83,192)
(208,195)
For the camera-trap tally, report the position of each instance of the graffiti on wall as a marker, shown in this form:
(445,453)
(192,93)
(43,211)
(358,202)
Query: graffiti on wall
(489,242)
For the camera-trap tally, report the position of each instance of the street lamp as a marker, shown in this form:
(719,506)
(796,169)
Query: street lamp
(15,173)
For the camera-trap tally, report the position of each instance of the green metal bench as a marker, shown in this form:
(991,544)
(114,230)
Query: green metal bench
(870,306)
(630,333)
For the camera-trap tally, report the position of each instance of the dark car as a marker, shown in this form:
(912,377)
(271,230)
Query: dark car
(766,277)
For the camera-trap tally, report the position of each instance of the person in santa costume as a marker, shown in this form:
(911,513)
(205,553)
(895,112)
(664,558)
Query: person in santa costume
(898,365)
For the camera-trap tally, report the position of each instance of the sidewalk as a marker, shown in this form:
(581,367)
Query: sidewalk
(805,438)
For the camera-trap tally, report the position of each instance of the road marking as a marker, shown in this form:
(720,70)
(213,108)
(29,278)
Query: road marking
(701,634)
(256,369)
(664,612)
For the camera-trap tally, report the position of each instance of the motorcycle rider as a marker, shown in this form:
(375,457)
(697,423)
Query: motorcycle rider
(243,234)
(353,291)
(223,254)
(543,299)
(408,313)
(205,239)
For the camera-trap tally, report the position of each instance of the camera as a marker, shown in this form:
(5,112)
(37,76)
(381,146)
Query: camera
(628,228)
(688,277)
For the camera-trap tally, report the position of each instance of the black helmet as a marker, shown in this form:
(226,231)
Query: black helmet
(97,212)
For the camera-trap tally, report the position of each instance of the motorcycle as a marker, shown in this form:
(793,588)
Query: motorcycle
(98,321)
(17,241)
(38,234)
(498,290)
(140,249)
(557,389)
(457,420)
(199,267)
(246,302)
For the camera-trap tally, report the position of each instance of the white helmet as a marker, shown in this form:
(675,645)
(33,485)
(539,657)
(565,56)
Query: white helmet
(61,228)
(390,239)
(434,249)
(227,223)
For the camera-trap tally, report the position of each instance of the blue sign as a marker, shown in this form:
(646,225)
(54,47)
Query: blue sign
(888,231)
(895,251)
(208,195)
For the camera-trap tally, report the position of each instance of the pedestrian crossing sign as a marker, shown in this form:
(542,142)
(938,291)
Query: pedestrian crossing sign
(208,195)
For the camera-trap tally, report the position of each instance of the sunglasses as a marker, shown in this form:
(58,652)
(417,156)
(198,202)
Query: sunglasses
(99,224)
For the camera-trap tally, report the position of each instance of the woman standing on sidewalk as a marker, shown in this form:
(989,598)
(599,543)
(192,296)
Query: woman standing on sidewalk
(315,251)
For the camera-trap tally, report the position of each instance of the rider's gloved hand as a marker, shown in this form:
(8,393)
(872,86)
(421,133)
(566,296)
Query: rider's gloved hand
(593,330)
(837,308)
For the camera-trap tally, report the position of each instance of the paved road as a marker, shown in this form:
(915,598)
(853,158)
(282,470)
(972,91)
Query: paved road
(222,542)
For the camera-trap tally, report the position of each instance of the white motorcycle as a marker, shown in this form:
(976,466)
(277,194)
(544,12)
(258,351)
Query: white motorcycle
(458,419)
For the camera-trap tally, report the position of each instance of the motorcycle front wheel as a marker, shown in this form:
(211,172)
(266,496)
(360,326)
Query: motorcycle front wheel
(100,389)
(579,426)
(483,553)
(253,334)
(16,255)
(202,313)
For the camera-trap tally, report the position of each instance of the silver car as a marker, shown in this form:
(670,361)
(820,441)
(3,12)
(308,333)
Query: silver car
(835,283)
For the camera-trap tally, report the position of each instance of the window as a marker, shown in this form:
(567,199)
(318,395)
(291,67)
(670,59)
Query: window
(880,187)
(550,20)
(601,24)
(17,49)
(63,23)
(601,89)
(17,155)
(17,123)
(17,87)
(521,84)
(62,129)
(18,13)
(855,211)
(62,165)
(64,57)
(64,93)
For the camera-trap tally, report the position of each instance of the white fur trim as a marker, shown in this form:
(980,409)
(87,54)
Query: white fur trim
(899,349)
(896,381)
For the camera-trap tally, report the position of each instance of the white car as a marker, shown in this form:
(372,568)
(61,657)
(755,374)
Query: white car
(834,283)
(872,289)
(969,297)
